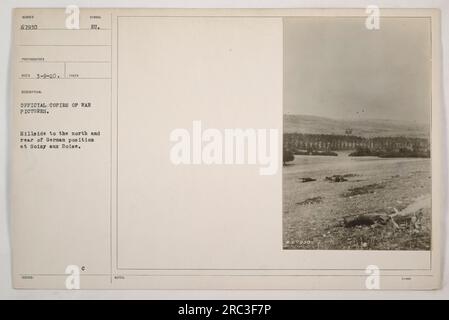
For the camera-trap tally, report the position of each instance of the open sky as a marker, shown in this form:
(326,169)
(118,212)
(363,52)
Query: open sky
(336,67)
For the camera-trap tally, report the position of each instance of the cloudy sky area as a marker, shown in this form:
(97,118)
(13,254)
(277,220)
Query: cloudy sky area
(335,67)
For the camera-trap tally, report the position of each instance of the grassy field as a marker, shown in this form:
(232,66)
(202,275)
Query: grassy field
(314,211)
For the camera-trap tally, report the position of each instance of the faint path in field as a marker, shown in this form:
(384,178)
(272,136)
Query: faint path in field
(318,163)
(421,202)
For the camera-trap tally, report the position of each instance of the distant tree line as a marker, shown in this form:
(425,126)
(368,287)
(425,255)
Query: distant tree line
(301,143)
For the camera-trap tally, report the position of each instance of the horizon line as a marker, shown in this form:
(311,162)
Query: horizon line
(351,118)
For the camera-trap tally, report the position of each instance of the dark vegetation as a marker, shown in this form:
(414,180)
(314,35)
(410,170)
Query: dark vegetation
(287,156)
(311,152)
(400,153)
(384,147)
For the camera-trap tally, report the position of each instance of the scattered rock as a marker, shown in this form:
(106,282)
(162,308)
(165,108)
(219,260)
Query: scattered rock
(310,201)
(336,178)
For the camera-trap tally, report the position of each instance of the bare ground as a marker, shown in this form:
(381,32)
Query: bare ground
(314,212)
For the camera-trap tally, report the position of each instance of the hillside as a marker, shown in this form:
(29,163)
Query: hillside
(360,127)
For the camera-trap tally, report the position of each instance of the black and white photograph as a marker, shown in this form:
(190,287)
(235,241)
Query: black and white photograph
(356,134)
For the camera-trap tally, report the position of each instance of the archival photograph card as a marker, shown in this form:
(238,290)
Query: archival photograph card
(226,148)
